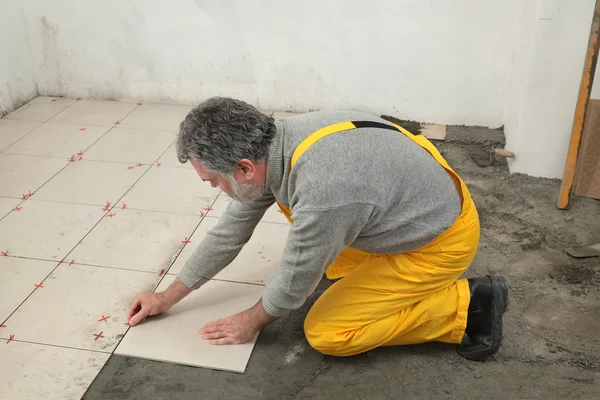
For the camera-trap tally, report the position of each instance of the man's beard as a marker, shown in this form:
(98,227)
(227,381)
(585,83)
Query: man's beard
(244,193)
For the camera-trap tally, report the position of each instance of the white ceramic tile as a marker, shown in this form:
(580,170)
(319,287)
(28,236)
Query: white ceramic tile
(164,117)
(173,336)
(90,182)
(11,131)
(136,240)
(32,371)
(169,159)
(76,304)
(168,189)
(257,260)
(130,146)
(283,114)
(95,112)
(46,230)
(57,140)
(17,279)
(7,205)
(273,214)
(41,109)
(21,173)
(434,131)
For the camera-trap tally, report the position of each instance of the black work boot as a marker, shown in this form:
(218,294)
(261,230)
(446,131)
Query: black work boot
(489,300)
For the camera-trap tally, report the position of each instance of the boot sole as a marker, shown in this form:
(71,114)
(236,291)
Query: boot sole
(499,307)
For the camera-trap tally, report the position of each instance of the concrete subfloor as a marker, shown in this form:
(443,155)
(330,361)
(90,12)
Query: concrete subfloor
(551,347)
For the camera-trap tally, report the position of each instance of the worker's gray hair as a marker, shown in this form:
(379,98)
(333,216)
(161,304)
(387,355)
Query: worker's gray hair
(222,131)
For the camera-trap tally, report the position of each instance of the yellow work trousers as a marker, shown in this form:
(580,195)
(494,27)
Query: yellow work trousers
(398,299)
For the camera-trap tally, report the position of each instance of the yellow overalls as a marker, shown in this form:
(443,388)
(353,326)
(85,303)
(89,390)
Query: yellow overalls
(395,299)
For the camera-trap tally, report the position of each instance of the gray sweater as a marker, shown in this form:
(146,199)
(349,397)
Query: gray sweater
(369,188)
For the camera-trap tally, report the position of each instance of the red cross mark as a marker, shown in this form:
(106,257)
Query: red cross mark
(157,164)
(82,129)
(71,263)
(105,319)
(79,98)
(80,153)
(72,159)
(62,261)
(139,103)
(53,100)
(80,158)
(162,271)
(117,122)
(124,206)
(38,285)
(106,207)
(110,215)
(17,208)
(201,214)
(270,115)
(5,253)
(186,241)
(98,335)
(130,167)
(27,195)
(140,165)
(10,338)
(208,208)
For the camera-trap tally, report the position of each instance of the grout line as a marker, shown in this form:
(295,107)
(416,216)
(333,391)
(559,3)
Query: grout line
(58,345)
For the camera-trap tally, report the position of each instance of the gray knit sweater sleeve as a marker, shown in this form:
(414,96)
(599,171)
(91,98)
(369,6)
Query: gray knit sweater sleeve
(223,243)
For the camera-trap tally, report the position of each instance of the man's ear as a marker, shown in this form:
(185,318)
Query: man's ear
(245,169)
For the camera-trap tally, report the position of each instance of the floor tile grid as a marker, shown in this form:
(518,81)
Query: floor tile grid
(91,229)
(70,105)
(67,164)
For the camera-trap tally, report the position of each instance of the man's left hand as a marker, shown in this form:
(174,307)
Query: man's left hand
(238,328)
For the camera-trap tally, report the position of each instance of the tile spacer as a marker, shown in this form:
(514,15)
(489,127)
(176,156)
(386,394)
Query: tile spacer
(82,129)
(139,165)
(201,214)
(98,335)
(139,103)
(130,167)
(186,240)
(157,164)
(162,271)
(72,159)
(38,285)
(28,195)
(71,263)
(53,100)
(105,319)
(106,207)
(4,253)
(10,338)
(80,153)
(124,206)
(17,208)
(62,261)
(208,208)
(117,122)
(79,98)
(110,215)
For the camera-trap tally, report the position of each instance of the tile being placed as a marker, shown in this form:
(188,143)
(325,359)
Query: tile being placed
(41,109)
(136,240)
(173,336)
(273,214)
(257,260)
(21,174)
(77,303)
(131,146)
(164,117)
(32,371)
(57,140)
(95,112)
(17,279)
(169,159)
(46,230)
(90,182)
(11,131)
(168,189)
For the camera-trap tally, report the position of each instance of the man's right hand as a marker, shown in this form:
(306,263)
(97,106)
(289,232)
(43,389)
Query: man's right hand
(146,304)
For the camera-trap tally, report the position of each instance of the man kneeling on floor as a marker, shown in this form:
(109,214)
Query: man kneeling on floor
(369,203)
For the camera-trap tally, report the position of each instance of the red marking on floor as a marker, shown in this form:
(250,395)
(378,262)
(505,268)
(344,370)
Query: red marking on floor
(80,153)
(106,207)
(79,98)
(157,164)
(117,122)
(98,335)
(72,159)
(186,240)
(111,215)
(71,263)
(201,214)
(140,165)
(130,167)
(162,271)
(38,285)
(105,319)
(208,208)
(5,253)
(2,326)
(62,261)
(80,158)
(82,129)
(10,338)
(28,195)
(53,100)
(124,206)
(17,208)
(140,103)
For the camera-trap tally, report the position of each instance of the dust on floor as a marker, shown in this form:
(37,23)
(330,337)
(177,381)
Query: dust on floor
(551,348)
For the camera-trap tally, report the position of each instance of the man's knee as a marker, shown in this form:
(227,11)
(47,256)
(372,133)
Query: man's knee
(322,337)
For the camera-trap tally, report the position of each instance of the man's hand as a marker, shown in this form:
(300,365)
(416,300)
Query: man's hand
(146,304)
(238,328)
